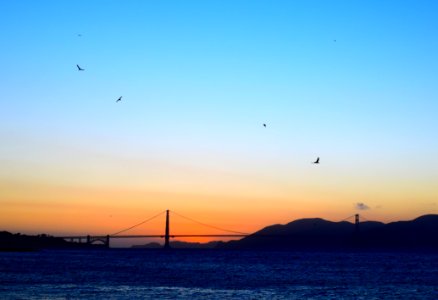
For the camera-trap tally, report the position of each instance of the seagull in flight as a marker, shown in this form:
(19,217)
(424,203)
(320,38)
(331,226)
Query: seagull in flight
(316,161)
(79,68)
(120,99)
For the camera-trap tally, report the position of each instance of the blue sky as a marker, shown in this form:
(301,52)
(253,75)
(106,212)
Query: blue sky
(198,80)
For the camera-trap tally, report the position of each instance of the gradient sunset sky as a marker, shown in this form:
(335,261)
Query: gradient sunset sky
(353,82)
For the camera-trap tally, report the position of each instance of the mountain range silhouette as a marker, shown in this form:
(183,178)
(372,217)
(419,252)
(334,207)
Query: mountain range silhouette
(303,234)
(317,233)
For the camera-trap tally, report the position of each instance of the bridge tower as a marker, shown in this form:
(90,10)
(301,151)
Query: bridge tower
(356,223)
(107,241)
(166,235)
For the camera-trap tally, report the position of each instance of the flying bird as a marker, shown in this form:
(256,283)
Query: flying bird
(120,99)
(316,161)
(264,125)
(79,68)
(334,41)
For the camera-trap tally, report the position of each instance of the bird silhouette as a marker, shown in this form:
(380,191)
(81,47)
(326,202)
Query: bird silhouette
(264,125)
(79,68)
(334,41)
(316,161)
(120,99)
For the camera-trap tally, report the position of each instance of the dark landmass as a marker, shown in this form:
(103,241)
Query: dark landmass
(304,234)
(20,242)
(319,234)
(182,245)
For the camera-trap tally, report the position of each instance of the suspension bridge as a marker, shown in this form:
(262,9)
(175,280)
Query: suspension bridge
(105,239)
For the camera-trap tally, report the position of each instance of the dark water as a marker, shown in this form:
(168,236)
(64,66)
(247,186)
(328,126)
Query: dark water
(206,274)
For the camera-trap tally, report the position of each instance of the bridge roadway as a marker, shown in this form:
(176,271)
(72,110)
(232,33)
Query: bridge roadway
(151,236)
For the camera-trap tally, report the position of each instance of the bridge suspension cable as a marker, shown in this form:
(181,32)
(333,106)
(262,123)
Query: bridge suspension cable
(206,225)
(136,225)
(347,218)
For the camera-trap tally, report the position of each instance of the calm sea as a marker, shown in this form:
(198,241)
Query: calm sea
(211,274)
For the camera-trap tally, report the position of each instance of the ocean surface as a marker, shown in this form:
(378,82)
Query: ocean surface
(217,274)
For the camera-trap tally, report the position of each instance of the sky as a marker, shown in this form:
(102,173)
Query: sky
(351,82)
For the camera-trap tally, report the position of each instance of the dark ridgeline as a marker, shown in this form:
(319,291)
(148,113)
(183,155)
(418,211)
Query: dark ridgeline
(421,232)
(304,234)
(181,245)
(319,234)
(21,242)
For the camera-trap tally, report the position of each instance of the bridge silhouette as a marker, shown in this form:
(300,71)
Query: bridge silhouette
(105,239)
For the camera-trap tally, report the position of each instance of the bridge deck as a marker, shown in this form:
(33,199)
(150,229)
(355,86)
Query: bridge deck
(153,236)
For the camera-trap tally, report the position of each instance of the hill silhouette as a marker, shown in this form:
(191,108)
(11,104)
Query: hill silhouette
(319,234)
(181,245)
(303,234)
(421,232)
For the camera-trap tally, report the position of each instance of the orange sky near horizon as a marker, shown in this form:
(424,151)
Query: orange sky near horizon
(236,203)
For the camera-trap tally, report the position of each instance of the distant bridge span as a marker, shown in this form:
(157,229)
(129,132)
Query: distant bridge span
(139,236)
(105,239)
